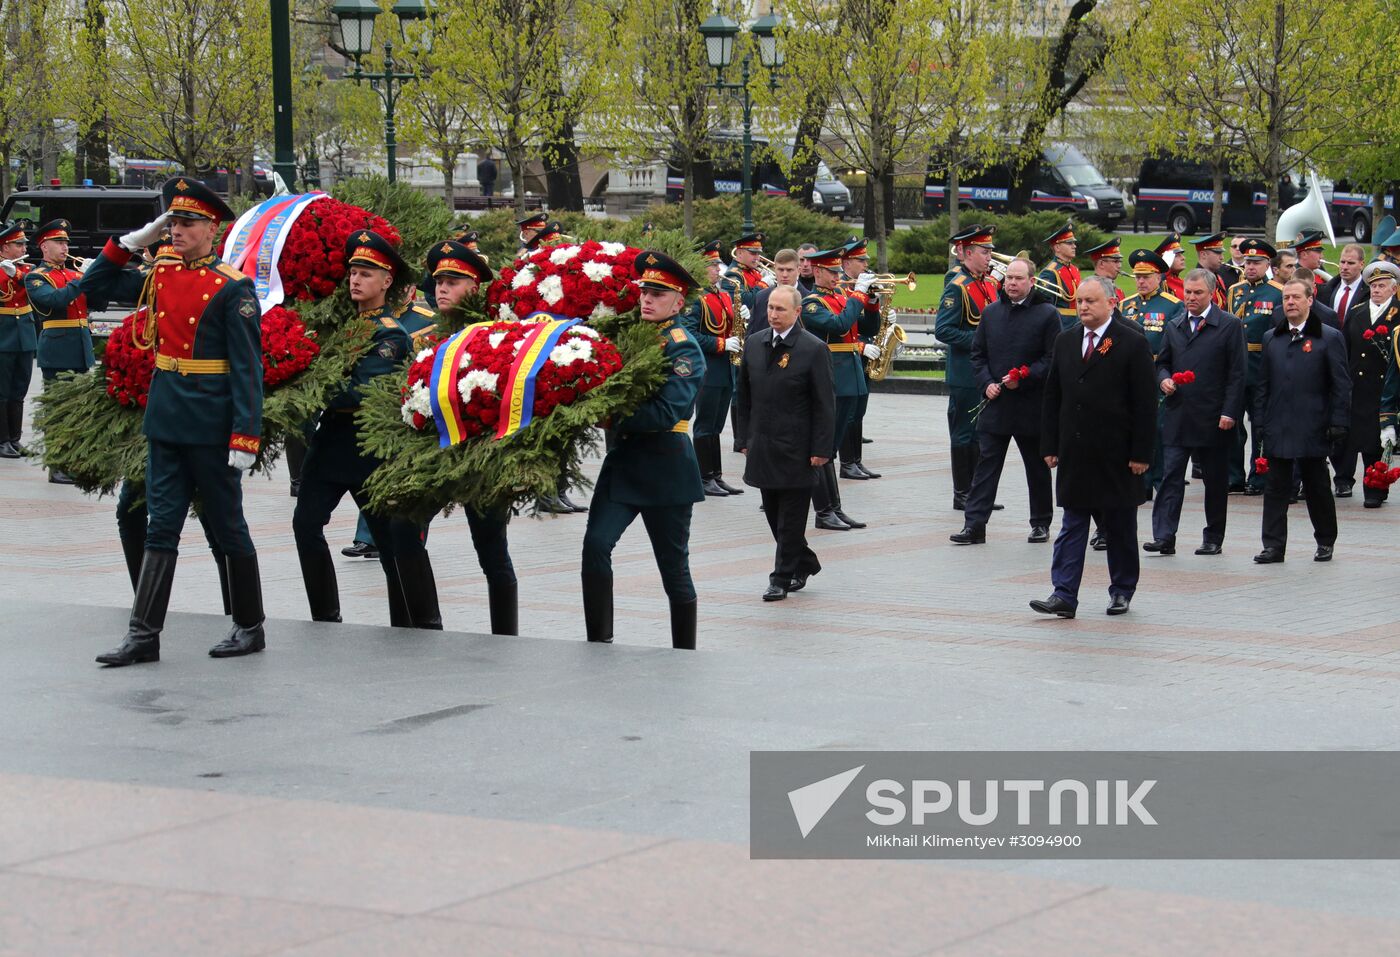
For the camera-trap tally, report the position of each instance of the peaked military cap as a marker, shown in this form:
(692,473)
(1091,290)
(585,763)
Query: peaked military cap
(1257,248)
(11,232)
(188,198)
(367,248)
(656,270)
(826,258)
(1146,262)
(53,229)
(1171,244)
(1213,241)
(974,236)
(713,251)
(535,220)
(1109,250)
(453,258)
(1065,234)
(1308,239)
(752,241)
(855,249)
(1382,270)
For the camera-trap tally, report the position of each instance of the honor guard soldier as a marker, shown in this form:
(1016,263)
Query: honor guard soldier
(1257,301)
(1308,247)
(745,268)
(203,421)
(18,340)
(839,320)
(717,325)
(530,227)
(459,272)
(855,262)
(1174,256)
(650,467)
(1210,254)
(1108,262)
(1062,274)
(336,465)
(1151,309)
(964,297)
(547,235)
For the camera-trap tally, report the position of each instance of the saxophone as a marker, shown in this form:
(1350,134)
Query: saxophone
(889,338)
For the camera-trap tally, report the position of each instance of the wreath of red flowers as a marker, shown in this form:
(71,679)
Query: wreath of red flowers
(312,262)
(288,348)
(492,353)
(567,280)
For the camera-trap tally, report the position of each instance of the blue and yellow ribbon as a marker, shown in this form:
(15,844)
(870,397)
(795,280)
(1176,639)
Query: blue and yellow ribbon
(518,397)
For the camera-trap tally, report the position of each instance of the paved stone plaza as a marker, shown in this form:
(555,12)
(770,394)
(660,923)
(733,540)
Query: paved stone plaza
(358,790)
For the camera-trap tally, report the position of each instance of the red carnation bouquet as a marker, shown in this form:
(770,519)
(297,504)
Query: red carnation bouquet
(1184,378)
(287,350)
(579,362)
(1018,374)
(588,280)
(1381,330)
(312,261)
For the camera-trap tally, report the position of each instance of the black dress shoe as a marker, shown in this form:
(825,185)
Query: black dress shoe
(1039,534)
(360,550)
(829,522)
(868,474)
(59,478)
(849,471)
(798,582)
(1269,556)
(1236,489)
(865,441)
(1161,546)
(970,535)
(1344,489)
(1054,605)
(1098,543)
(1119,605)
(711,488)
(850,522)
(1370,502)
(1252,490)
(550,505)
(997,508)
(570,504)
(1323,553)
(719,480)
(8,450)
(294,489)
(775,593)
(1208,548)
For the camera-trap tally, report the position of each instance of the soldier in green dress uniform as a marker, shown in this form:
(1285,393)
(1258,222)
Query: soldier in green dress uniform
(1151,309)
(18,340)
(1257,301)
(855,262)
(964,297)
(650,468)
(715,322)
(1062,274)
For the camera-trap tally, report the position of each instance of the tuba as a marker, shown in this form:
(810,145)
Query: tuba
(889,337)
(1310,212)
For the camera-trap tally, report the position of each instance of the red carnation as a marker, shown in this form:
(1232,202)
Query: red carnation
(1261,465)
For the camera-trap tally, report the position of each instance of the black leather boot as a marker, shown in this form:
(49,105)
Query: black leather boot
(419,589)
(717,463)
(133,550)
(399,616)
(598,606)
(683,625)
(570,504)
(15,414)
(318,575)
(221,563)
(142,642)
(550,505)
(962,475)
(504,599)
(245,598)
(825,516)
(834,490)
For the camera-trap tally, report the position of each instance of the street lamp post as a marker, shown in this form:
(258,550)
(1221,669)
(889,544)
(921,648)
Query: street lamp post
(719,32)
(357,37)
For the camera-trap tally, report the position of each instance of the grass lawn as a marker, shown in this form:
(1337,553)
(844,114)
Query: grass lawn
(917,374)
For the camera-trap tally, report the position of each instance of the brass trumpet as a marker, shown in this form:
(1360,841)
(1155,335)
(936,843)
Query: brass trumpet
(998,271)
(885,282)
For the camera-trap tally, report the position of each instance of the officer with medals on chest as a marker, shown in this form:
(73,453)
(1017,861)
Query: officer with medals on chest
(716,324)
(650,468)
(18,340)
(1062,274)
(203,421)
(458,271)
(745,268)
(336,465)
(1151,309)
(1257,301)
(969,292)
(839,320)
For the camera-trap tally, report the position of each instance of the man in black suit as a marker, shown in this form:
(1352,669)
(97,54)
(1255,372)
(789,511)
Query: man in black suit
(1098,427)
(785,270)
(1347,288)
(1017,331)
(1198,415)
(786,411)
(1305,399)
(1370,333)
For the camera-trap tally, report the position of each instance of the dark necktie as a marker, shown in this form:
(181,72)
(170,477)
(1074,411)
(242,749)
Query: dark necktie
(1089,345)
(1196,324)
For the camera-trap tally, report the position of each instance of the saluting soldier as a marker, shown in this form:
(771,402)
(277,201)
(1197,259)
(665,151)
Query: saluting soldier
(964,297)
(715,322)
(335,464)
(839,320)
(203,421)
(650,468)
(1257,301)
(18,340)
(855,262)
(1108,263)
(745,268)
(1062,274)
(1210,254)
(1308,247)
(1174,256)
(1152,309)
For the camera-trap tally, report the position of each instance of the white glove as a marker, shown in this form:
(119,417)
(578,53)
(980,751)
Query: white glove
(8,267)
(138,239)
(733,344)
(85,264)
(745,312)
(864,281)
(871,351)
(242,461)
(1388,436)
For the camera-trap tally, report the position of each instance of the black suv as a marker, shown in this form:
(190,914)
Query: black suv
(95,213)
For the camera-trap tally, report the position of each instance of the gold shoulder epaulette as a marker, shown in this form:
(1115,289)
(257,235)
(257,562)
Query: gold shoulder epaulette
(1237,285)
(424,312)
(388,323)
(1169,297)
(1275,283)
(960,279)
(230,272)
